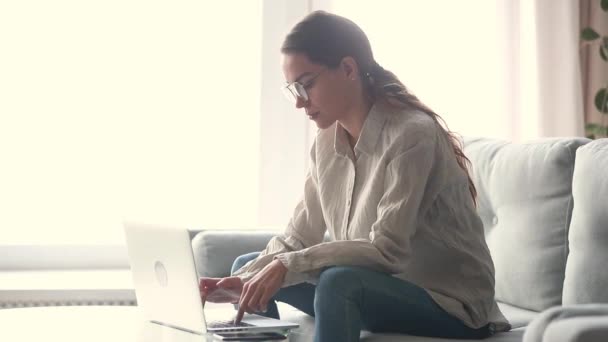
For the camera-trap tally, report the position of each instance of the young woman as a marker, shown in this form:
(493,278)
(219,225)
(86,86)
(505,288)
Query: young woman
(389,184)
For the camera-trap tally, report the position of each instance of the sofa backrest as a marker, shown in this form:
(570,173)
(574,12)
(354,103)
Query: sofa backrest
(525,203)
(587,267)
(213,259)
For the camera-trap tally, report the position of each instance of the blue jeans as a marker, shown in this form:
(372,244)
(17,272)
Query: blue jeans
(348,299)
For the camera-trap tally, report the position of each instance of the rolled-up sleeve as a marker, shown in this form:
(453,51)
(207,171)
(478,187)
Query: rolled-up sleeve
(388,246)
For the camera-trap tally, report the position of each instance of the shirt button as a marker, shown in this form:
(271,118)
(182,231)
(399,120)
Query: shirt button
(494,220)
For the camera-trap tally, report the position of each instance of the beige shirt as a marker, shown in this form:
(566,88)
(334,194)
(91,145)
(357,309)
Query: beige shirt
(398,203)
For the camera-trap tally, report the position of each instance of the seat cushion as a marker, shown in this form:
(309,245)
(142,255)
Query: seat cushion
(525,203)
(517,317)
(305,333)
(575,323)
(586,277)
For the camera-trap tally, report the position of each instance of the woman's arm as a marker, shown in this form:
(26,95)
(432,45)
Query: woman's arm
(305,229)
(388,246)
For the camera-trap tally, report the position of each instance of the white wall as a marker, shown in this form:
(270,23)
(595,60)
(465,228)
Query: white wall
(127,109)
(285,138)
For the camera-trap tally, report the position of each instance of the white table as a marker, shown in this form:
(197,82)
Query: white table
(86,323)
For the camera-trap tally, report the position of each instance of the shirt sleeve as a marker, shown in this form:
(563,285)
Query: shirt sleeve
(305,229)
(388,245)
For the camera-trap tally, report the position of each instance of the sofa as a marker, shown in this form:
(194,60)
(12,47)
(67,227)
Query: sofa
(544,206)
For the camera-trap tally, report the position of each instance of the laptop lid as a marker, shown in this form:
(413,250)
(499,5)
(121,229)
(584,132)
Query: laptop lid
(164,276)
(166,282)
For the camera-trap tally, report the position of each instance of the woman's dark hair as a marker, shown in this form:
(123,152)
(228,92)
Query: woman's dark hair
(327,38)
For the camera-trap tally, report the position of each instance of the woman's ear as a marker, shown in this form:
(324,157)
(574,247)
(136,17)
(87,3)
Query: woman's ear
(350,68)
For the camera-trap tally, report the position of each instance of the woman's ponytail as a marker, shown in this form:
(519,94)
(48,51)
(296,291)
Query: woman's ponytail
(384,85)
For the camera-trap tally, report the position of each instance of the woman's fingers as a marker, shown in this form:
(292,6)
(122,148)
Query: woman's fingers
(258,291)
(220,290)
(249,291)
(233,286)
(228,281)
(221,298)
(254,300)
(226,295)
(264,299)
(210,283)
(244,298)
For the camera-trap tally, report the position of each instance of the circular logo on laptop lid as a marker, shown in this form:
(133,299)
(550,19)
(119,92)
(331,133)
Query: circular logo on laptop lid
(161,274)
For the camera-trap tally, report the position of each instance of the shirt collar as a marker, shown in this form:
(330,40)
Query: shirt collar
(370,133)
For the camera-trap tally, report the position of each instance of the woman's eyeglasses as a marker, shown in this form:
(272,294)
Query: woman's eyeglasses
(296,90)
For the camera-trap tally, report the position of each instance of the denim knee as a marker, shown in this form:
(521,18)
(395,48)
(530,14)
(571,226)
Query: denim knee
(241,260)
(337,284)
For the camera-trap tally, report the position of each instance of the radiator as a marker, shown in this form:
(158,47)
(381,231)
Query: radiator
(33,298)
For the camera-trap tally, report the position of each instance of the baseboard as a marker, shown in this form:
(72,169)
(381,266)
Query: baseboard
(34,298)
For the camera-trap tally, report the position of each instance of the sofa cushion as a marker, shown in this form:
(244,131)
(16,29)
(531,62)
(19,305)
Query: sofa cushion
(586,279)
(525,203)
(578,329)
(517,317)
(576,323)
(215,250)
(305,333)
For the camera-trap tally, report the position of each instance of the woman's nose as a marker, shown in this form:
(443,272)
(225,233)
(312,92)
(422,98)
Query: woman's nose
(300,102)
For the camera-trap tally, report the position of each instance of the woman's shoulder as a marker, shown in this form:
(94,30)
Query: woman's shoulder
(406,127)
(408,119)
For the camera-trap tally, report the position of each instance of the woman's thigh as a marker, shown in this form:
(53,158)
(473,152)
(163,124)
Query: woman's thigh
(389,304)
(241,260)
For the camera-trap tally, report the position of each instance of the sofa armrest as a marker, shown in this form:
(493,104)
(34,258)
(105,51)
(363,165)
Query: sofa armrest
(578,329)
(575,323)
(215,250)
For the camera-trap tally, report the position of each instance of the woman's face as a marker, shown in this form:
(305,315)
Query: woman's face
(330,91)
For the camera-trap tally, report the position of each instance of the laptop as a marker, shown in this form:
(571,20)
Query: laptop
(166,285)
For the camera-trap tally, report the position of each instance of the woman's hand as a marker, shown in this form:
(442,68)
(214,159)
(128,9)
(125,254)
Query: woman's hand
(258,291)
(220,290)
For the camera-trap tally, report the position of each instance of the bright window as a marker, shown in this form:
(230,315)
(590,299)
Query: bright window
(446,52)
(113,110)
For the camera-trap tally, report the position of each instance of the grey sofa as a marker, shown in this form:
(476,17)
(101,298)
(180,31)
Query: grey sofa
(544,205)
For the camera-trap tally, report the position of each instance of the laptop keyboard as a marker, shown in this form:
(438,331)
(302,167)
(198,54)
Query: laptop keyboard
(227,324)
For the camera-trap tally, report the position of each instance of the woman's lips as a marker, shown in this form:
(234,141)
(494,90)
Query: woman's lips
(313,116)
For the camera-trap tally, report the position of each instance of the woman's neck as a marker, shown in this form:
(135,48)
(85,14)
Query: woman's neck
(353,121)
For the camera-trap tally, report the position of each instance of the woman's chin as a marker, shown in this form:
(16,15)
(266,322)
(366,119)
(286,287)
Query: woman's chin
(323,124)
